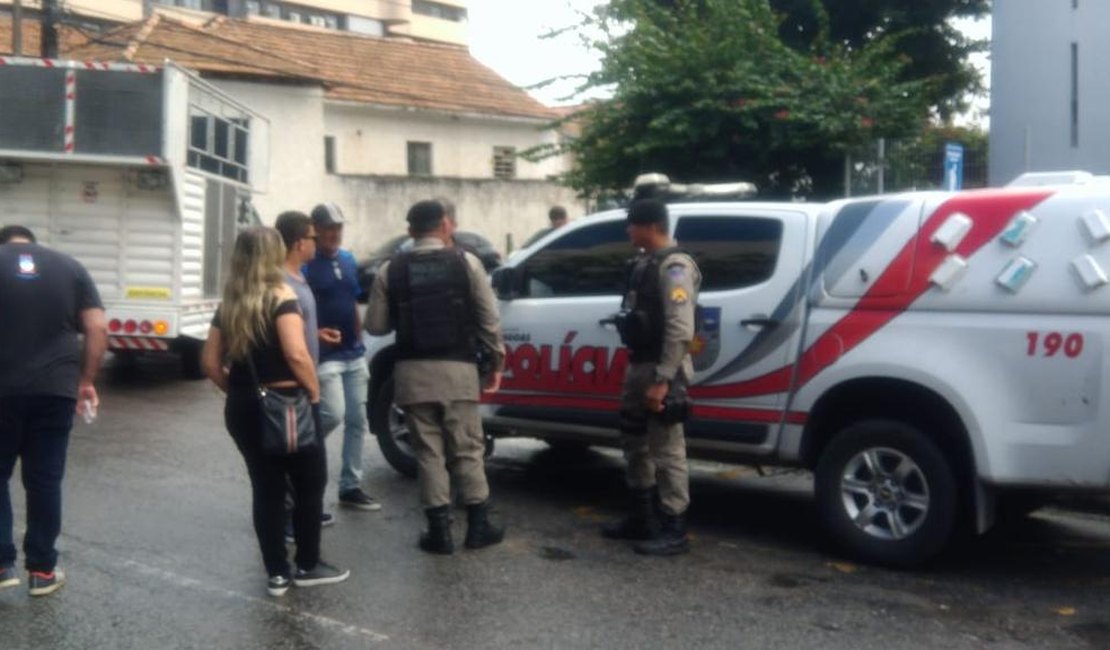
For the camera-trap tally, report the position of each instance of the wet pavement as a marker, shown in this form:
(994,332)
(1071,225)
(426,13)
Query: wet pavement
(159,550)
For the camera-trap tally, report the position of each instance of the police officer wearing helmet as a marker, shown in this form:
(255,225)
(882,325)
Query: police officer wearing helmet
(657,326)
(439,301)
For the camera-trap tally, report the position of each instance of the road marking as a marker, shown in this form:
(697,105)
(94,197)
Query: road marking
(191,583)
(197,585)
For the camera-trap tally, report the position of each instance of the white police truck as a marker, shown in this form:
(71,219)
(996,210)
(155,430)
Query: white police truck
(928,355)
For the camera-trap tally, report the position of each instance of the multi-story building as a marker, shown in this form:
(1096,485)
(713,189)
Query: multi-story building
(1049,91)
(442,21)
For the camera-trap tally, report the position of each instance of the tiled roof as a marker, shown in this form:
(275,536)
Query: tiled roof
(160,38)
(68,37)
(351,67)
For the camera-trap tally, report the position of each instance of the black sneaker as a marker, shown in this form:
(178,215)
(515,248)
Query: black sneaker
(322,574)
(278,585)
(8,577)
(326,519)
(358,499)
(44,584)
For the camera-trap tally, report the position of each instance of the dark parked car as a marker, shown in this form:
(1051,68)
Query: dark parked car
(472,242)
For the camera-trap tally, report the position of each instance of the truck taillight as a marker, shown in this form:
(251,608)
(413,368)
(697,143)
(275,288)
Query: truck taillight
(115,325)
(130,326)
(146,327)
(161,327)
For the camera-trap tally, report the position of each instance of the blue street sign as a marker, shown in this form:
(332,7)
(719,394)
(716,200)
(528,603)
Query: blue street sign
(953,166)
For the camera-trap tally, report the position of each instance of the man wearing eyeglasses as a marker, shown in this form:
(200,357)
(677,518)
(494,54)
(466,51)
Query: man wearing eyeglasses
(333,277)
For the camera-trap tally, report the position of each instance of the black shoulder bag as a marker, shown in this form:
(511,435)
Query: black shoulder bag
(288,422)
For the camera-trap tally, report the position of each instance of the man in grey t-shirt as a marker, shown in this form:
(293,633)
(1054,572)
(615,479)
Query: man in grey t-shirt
(299,236)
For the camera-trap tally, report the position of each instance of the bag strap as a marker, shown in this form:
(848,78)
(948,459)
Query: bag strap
(254,375)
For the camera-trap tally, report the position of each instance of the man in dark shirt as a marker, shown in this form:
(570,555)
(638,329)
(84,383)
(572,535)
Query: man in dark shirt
(47,300)
(344,377)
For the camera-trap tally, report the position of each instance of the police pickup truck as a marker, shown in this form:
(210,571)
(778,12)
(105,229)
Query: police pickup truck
(928,355)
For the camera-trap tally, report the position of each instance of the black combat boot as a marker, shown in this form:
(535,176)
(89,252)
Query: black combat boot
(437,539)
(480,533)
(641,523)
(671,540)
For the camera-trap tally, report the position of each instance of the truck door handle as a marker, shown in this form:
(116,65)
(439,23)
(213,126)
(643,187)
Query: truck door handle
(759,322)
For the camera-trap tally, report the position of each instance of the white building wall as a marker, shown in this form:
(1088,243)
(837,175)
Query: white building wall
(373,140)
(1031,87)
(377,197)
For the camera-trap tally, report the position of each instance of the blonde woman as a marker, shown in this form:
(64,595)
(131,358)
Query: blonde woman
(260,317)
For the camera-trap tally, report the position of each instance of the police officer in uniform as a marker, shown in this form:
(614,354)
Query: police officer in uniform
(439,301)
(657,326)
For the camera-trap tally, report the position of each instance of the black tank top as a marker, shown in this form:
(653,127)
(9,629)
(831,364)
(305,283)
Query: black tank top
(268,357)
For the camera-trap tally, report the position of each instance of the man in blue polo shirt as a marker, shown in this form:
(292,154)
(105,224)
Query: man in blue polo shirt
(333,276)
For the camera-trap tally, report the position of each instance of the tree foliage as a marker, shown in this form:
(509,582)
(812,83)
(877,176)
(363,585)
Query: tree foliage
(707,90)
(933,49)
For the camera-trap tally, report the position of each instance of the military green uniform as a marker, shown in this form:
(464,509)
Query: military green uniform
(665,286)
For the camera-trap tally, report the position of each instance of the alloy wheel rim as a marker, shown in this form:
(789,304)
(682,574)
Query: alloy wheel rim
(885,493)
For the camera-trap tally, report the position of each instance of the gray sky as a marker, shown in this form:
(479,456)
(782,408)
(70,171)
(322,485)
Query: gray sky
(505,35)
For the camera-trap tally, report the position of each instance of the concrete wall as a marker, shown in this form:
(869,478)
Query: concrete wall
(373,140)
(496,209)
(1031,87)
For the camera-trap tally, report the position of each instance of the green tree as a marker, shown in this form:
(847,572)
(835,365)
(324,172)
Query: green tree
(933,49)
(708,90)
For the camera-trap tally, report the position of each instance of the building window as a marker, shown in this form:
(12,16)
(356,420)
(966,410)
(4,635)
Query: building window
(504,162)
(439,10)
(370,27)
(253,7)
(1074,108)
(420,158)
(218,145)
(329,154)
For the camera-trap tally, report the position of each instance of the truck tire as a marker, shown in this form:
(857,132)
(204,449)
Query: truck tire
(388,424)
(190,351)
(886,493)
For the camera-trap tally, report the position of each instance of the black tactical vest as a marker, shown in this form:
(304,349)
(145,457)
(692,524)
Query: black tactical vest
(431,306)
(644,325)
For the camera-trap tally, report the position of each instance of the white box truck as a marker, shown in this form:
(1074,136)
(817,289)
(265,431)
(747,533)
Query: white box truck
(144,174)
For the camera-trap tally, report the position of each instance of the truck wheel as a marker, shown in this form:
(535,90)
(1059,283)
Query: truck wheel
(387,421)
(886,493)
(190,351)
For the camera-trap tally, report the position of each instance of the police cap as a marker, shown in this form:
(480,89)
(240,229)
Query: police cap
(425,216)
(647,212)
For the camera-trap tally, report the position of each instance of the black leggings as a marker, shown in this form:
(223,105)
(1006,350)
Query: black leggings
(307,473)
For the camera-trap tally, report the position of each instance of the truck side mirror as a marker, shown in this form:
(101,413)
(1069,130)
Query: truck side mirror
(505,281)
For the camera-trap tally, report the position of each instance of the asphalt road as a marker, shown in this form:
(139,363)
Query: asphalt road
(160,553)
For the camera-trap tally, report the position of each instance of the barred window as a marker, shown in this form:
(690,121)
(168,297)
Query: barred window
(504,162)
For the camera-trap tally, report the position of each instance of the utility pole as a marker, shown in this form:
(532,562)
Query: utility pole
(17,28)
(49,29)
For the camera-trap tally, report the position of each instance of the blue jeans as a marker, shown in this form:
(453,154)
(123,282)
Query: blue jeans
(343,386)
(34,429)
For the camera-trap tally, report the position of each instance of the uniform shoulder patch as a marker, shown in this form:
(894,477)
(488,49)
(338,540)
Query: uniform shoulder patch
(679,296)
(676,271)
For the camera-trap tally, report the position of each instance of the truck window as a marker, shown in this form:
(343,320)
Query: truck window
(589,261)
(732,252)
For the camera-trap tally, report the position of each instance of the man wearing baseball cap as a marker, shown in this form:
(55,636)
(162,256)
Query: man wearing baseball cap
(333,277)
